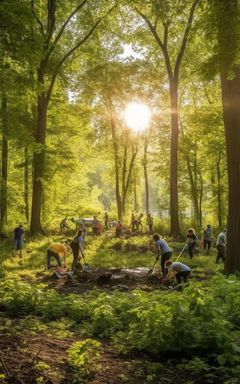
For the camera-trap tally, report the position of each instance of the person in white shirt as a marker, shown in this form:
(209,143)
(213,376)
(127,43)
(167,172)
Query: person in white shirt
(221,246)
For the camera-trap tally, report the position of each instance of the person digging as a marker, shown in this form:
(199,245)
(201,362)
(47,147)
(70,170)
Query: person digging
(77,250)
(57,251)
(176,270)
(163,250)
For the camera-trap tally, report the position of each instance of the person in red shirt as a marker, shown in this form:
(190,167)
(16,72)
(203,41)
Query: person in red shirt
(119,229)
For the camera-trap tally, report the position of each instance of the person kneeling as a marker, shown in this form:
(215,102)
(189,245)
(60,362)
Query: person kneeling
(178,270)
(55,250)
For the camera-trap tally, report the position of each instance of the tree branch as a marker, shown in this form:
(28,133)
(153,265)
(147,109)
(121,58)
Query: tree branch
(51,19)
(160,43)
(165,39)
(69,53)
(185,39)
(61,30)
(37,18)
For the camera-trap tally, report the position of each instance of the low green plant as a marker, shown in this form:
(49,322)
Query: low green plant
(81,356)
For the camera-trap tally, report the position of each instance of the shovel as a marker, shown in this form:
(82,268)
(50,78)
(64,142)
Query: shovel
(180,254)
(86,266)
(151,269)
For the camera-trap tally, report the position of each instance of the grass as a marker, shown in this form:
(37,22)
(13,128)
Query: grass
(101,252)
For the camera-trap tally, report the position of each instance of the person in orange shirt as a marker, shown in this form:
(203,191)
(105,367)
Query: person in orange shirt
(56,251)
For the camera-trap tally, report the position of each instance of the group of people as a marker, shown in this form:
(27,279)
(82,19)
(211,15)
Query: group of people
(98,225)
(136,222)
(179,270)
(169,269)
(207,242)
(76,247)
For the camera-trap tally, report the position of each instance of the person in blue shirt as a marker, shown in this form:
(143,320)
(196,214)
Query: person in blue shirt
(18,239)
(163,250)
(178,270)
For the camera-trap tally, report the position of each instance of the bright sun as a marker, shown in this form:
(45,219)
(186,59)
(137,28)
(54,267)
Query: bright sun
(137,116)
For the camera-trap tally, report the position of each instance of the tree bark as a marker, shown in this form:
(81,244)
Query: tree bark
(175,228)
(135,200)
(227,18)
(26,183)
(4,174)
(116,165)
(194,194)
(231,116)
(145,169)
(219,191)
(39,161)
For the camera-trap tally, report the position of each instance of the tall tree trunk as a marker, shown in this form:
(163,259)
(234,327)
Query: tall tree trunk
(26,183)
(175,228)
(219,191)
(145,168)
(129,176)
(4,174)
(200,199)
(124,171)
(135,200)
(116,165)
(227,17)
(194,194)
(231,116)
(38,164)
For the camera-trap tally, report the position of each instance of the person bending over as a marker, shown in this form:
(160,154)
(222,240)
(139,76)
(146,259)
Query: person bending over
(178,270)
(56,251)
(163,250)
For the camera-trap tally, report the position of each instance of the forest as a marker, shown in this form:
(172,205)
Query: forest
(120,191)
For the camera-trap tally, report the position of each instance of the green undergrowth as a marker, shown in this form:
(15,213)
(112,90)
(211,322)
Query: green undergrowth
(198,326)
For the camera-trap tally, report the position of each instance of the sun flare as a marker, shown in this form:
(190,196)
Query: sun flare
(137,116)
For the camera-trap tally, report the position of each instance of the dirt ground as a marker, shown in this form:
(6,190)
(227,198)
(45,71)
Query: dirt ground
(22,351)
(22,354)
(108,280)
(105,279)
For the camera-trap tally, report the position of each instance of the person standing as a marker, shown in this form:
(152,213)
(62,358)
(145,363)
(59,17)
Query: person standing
(106,221)
(64,224)
(77,248)
(133,223)
(95,225)
(191,240)
(207,239)
(150,223)
(139,221)
(119,229)
(18,239)
(56,251)
(221,246)
(163,250)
